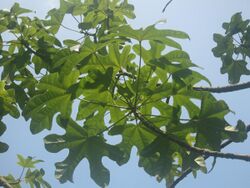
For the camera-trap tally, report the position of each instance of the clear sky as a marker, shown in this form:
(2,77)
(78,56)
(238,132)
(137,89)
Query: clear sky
(200,19)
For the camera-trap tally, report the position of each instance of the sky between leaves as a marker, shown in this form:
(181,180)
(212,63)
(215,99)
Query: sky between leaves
(200,19)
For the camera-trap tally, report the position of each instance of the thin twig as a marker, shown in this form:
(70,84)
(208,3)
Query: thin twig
(114,124)
(65,27)
(21,175)
(224,89)
(138,76)
(75,18)
(103,104)
(163,10)
(189,170)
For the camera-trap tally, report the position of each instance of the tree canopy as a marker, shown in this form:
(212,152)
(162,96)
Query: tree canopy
(136,83)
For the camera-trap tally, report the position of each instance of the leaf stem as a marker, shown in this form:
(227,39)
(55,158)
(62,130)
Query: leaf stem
(168,3)
(138,76)
(114,124)
(65,27)
(104,104)
(75,18)
(21,175)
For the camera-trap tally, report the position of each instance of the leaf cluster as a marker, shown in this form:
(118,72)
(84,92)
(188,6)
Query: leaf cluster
(233,48)
(34,178)
(114,80)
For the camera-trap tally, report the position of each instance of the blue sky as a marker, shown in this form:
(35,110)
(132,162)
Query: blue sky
(200,19)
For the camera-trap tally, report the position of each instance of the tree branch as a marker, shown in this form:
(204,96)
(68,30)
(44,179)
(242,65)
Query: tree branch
(224,89)
(4,182)
(189,170)
(204,152)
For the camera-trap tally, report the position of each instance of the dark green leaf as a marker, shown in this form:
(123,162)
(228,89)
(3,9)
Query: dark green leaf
(132,135)
(81,146)
(35,178)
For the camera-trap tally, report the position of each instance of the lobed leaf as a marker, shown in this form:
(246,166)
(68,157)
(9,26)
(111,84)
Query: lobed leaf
(80,146)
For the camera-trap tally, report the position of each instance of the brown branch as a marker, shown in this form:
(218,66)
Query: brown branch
(189,170)
(224,89)
(168,3)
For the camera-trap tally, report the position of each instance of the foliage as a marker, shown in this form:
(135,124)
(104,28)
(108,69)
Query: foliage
(32,177)
(136,83)
(233,48)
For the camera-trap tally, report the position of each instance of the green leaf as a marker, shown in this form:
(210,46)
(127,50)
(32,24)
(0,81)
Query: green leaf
(238,133)
(132,135)
(236,24)
(54,98)
(153,34)
(35,178)
(202,163)
(7,102)
(157,159)
(2,128)
(3,146)
(10,178)
(154,52)
(70,43)
(1,40)
(211,108)
(233,48)
(120,59)
(234,68)
(81,146)
(57,15)
(27,162)
(16,9)
(224,45)
(211,124)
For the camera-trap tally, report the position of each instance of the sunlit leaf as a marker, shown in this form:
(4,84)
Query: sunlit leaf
(28,162)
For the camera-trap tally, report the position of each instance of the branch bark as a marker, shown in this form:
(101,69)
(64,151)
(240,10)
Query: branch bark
(224,89)
(205,152)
